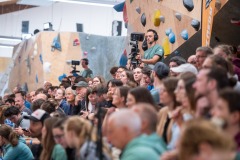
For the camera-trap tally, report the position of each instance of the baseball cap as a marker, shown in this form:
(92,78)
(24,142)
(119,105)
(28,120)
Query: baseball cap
(80,84)
(38,115)
(187,67)
(161,70)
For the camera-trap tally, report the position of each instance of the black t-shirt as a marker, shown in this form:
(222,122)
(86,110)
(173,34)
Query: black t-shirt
(36,151)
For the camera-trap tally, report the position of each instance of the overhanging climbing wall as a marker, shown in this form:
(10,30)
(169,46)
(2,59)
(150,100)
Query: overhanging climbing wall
(36,61)
(174,20)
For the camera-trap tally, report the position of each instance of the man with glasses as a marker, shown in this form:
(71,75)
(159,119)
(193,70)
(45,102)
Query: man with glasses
(201,55)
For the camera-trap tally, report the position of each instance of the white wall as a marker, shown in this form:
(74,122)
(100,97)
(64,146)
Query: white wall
(64,16)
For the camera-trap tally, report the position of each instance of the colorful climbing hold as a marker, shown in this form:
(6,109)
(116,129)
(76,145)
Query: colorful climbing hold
(184,34)
(40,58)
(47,67)
(171,37)
(138,9)
(56,43)
(178,16)
(188,4)
(195,24)
(166,46)
(143,19)
(36,78)
(168,31)
(162,19)
(156,18)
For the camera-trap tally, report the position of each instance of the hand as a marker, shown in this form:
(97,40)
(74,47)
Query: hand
(84,114)
(170,155)
(109,94)
(19,131)
(110,110)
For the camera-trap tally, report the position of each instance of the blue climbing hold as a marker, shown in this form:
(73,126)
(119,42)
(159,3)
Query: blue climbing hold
(168,31)
(195,24)
(184,34)
(171,37)
(36,79)
(61,77)
(40,58)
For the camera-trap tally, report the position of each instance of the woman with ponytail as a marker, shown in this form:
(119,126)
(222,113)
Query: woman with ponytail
(13,147)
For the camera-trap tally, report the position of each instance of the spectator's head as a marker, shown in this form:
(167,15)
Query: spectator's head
(70,95)
(77,130)
(47,85)
(112,85)
(200,139)
(126,76)
(167,96)
(160,71)
(137,74)
(16,89)
(41,96)
(123,126)
(137,95)
(147,71)
(120,96)
(176,61)
(148,115)
(192,60)
(13,114)
(37,119)
(37,104)
(81,88)
(228,107)
(8,136)
(60,94)
(119,71)
(47,141)
(58,132)
(113,72)
(10,102)
(84,62)
(201,55)
(48,106)
(19,102)
(212,79)
(98,80)
(223,50)
(183,69)
(185,93)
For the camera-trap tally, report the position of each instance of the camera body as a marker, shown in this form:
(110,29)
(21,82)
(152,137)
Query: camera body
(75,63)
(136,37)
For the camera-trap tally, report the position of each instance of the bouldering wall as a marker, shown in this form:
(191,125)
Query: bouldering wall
(170,18)
(4,63)
(102,52)
(44,57)
(175,21)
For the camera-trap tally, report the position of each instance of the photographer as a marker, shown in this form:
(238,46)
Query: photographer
(155,52)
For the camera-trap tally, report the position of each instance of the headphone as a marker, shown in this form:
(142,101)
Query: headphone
(155,34)
(86,60)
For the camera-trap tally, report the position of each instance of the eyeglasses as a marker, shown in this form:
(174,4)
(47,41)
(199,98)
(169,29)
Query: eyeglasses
(58,136)
(198,56)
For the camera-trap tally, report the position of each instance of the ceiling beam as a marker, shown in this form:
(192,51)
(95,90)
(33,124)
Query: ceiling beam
(13,8)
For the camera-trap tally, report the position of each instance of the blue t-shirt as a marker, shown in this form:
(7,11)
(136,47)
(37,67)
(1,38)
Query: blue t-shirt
(20,152)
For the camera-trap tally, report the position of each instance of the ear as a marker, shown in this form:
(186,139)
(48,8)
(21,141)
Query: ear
(235,116)
(205,149)
(212,84)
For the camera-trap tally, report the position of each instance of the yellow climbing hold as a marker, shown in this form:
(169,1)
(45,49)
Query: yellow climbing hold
(156,18)
(166,47)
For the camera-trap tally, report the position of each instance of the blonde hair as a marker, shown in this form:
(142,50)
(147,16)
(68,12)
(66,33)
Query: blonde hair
(198,131)
(82,128)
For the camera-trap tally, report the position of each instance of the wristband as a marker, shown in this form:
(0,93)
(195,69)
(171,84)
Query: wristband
(30,142)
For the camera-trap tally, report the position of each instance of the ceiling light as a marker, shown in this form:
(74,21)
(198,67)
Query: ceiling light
(85,3)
